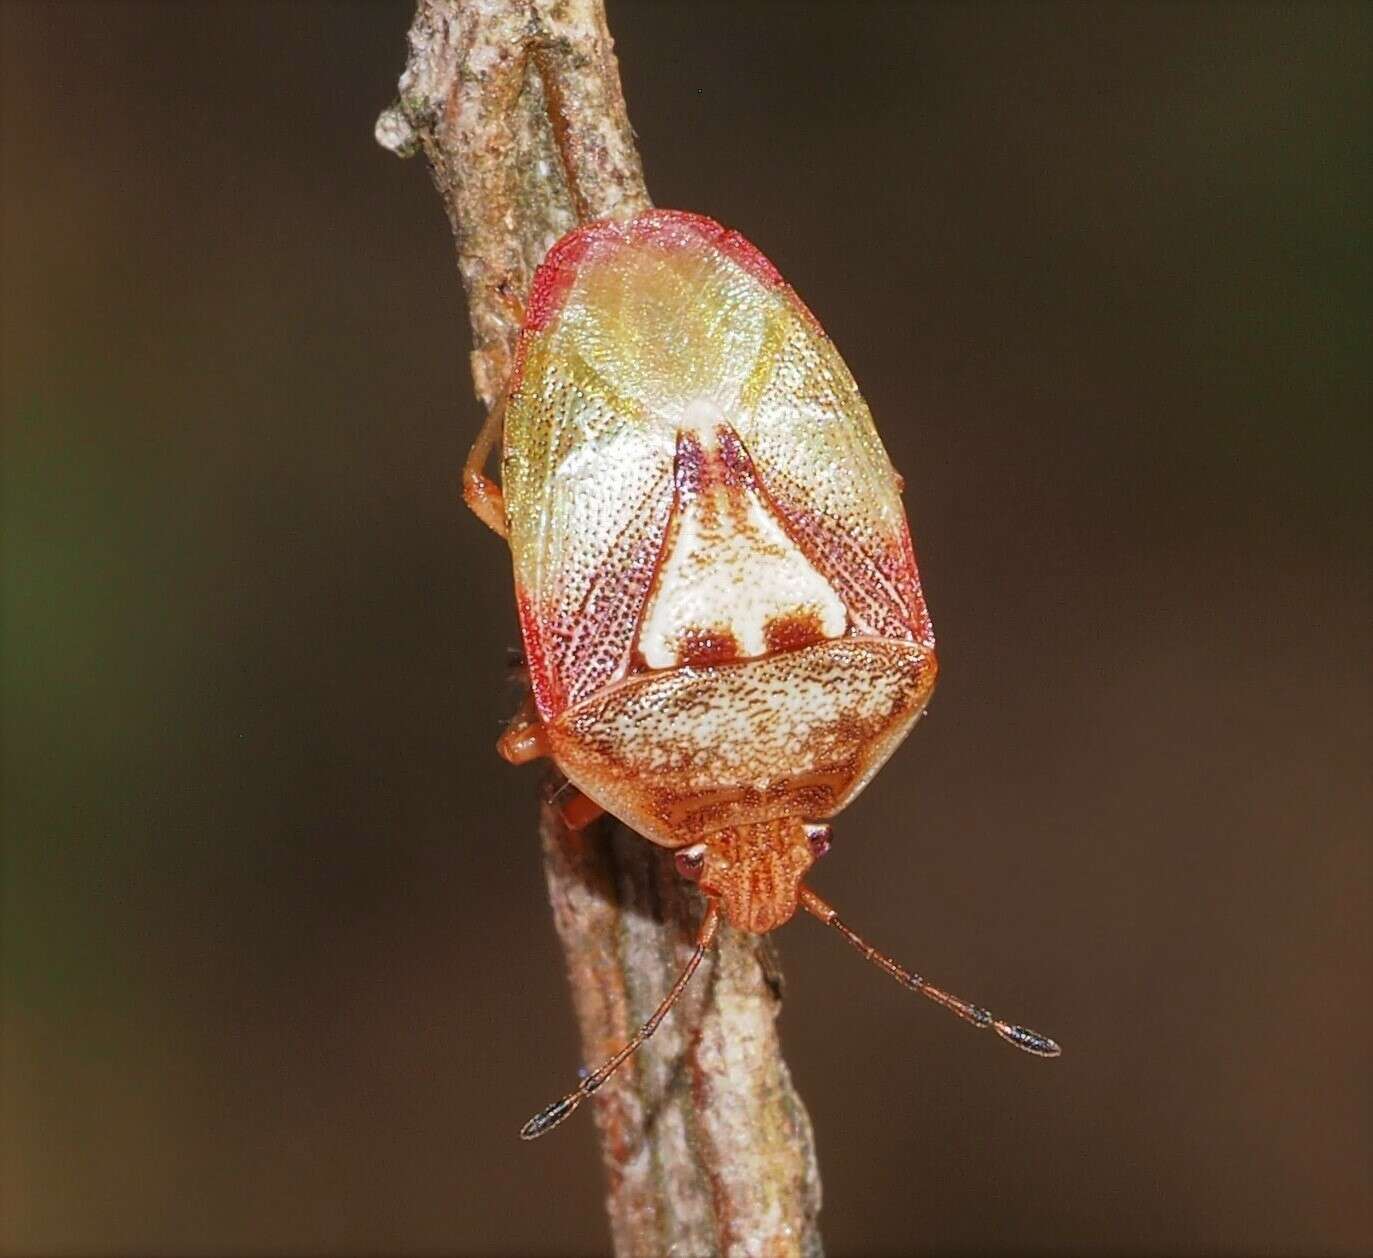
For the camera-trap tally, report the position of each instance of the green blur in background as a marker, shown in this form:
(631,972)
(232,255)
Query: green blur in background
(278,970)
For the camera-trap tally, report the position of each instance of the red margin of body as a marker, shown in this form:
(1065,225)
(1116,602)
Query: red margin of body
(558,271)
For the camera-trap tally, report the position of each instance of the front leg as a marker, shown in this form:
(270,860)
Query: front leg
(525,739)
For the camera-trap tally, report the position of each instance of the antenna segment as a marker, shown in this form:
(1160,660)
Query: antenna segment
(1021,1037)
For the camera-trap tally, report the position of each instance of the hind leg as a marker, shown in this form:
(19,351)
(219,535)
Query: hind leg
(479,491)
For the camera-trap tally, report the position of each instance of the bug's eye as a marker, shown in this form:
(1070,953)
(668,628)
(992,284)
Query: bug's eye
(819,836)
(691,860)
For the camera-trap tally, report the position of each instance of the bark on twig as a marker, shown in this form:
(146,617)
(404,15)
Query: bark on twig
(708,1149)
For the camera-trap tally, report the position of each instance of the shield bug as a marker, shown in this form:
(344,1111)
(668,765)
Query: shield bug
(722,618)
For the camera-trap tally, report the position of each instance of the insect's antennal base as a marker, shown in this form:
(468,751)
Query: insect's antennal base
(1021,1037)
(551,1115)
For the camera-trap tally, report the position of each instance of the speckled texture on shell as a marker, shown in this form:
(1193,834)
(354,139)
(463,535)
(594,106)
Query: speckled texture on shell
(631,328)
(683,752)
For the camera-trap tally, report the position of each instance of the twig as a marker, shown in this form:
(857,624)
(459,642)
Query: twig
(708,1149)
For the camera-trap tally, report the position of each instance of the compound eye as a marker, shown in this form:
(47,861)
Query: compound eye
(690,861)
(818,835)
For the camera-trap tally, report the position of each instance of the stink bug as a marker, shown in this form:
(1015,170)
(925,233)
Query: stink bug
(722,618)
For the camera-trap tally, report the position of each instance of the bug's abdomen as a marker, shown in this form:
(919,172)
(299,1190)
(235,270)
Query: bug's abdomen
(685,751)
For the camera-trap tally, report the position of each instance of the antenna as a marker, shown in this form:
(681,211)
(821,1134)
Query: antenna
(551,1115)
(1021,1037)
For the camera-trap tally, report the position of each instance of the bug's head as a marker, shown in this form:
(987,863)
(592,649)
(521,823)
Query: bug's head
(755,870)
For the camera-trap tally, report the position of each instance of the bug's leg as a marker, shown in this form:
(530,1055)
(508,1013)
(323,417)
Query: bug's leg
(524,738)
(514,307)
(577,810)
(479,491)
(1021,1037)
(574,809)
(551,1115)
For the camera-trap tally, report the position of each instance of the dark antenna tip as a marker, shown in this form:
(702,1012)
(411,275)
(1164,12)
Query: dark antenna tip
(1030,1041)
(550,1116)
(1022,1037)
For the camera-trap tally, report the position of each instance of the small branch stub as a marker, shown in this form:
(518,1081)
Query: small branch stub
(518,108)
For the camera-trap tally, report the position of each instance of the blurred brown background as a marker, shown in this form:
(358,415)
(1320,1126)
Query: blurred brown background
(278,969)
